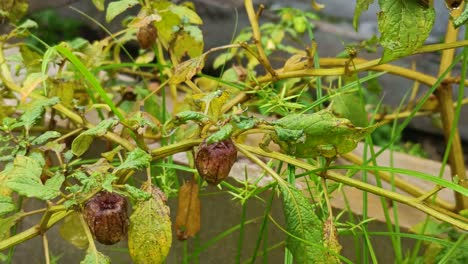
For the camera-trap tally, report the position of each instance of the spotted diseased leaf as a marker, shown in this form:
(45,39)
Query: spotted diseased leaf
(7,223)
(188,42)
(34,111)
(116,8)
(149,234)
(137,159)
(322,134)
(361,6)
(25,179)
(188,211)
(305,241)
(83,141)
(95,257)
(404,26)
(187,69)
(6,205)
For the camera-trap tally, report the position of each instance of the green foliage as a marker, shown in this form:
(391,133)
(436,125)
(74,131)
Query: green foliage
(117,7)
(137,159)
(95,257)
(462,19)
(82,142)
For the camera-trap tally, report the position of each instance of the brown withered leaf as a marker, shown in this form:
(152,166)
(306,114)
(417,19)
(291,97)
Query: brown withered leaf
(330,241)
(188,211)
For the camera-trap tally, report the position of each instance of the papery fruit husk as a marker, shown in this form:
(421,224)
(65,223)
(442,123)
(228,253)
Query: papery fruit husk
(214,161)
(147,35)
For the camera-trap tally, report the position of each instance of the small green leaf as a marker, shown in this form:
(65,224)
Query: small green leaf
(41,139)
(305,241)
(116,8)
(6,205)
(244,122)
(350,106)
(108,179)
(462,19)
(361,6)
(183,117)
(136,194)
(404,26)
(83,141)
(187,69)
(137,159)
(95,257)
(34,111)
(224,133)
(99,4)
(25,179)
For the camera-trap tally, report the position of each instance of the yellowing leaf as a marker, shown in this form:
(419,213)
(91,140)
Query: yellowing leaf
(211,103)
(72,231)
(31,82)
(330,242)
(188,42)
(99,4)
(116,8)
(188,211)
(168,23)
(149,234)
(186,13)
(7,223)
(187,69)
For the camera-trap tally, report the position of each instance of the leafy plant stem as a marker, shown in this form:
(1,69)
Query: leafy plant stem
(449,122)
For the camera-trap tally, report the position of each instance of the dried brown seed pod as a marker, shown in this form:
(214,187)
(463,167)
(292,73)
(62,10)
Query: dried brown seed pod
(107,218)
(147,36)
(214,161)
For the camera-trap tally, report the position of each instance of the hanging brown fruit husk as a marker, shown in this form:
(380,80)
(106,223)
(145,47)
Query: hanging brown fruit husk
(214,161)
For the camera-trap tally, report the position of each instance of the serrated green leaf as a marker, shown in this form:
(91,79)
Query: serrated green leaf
(404,26)
(304,225)
(149,233)
(95,257)
(116,8)
(7,223)
(6,205)
(34,111)
(361,6)
(224,133)
(137,159)
(25,179)
(137,194)
(107,183)
(462,19)
(41,139)
(83,141)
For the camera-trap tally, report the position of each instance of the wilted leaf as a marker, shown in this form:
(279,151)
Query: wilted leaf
(330,242)
(187,69)
(83,141)
(291,63)
(350,106)
(169,21)
(6,205)
(95,257)
(41,139)
(7,223)
(323,134)
(304,225)
(72,231)
(188,211)
(31,59)
(361,6)
(109,155)
(188,42)
(224,133)
(149,234)
(137,159)
(25,179)
(30,83)
(116,8)
(214,101)
(404,26)
(63,89)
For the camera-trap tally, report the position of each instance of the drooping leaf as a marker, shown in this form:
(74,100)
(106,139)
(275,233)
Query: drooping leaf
(330,242)
(99,4)
(41,139)
(34,110)
(83,141)
(149,234)
(25,179)
(63,89)
(462,19)
(168,23)
(224,133)
(95,257)
(361,6)
(72,231)
(404,26)
(211,103)
(305,227)
(137,159)
(244,122)
(323,134)
(7,223)
(31,59)
(116,8)
(187,69)
(350,106)
(6,205)
(188,211)
(188,42)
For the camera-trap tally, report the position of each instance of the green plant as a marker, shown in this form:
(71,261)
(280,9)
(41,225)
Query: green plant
(47,130)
